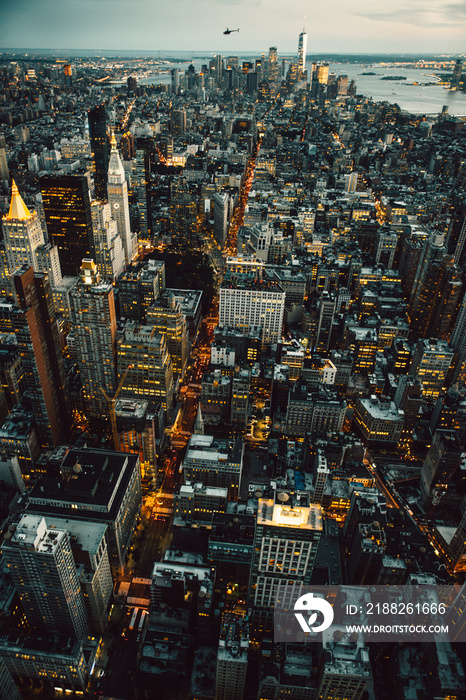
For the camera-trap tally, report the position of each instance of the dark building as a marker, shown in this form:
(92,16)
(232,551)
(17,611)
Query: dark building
(132,85)
(231,541)
(67,209)
(435,292)
(144,154)
(97,117)
(38,339)
(97,486)
(438,471)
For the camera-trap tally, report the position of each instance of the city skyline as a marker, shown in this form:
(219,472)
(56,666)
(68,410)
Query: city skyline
(359,27)
(232,367)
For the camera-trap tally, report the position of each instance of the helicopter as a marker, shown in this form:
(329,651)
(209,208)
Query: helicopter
(229,31)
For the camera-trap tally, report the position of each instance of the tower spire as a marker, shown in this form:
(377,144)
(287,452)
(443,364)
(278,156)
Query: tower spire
(199,422)
(18,209)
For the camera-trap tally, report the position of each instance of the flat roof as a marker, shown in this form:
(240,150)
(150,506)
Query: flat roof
(101,485)
(294,516)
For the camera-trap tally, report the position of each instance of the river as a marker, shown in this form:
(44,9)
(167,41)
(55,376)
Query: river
(416,99)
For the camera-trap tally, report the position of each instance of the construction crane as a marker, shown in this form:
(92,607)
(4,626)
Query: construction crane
(111,408)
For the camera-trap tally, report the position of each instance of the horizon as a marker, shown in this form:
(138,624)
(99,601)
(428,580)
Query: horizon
(25,51)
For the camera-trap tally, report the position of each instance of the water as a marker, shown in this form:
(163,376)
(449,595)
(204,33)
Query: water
(416,99)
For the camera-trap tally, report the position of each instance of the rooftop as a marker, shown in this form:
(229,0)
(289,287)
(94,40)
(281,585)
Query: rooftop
(288,513)
(97,481)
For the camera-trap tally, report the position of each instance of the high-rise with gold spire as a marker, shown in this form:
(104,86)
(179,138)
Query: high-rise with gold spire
(22,233)
(118,199)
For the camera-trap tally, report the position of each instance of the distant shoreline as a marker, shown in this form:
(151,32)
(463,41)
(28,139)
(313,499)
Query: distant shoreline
(183,55)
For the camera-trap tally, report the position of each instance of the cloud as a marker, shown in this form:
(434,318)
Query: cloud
(456,9)
(420,13)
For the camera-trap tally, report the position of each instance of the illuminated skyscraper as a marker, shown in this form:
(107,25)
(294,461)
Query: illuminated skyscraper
(166,317)
(97,117)
(288,530)
(67,209)
(36,330)
(43,570)
(431,363)
(22,233)
(118,200)
(248,304)
(151,374)
(139,287)
(322,73)
(142,185)
(302,48)
(94,329)
(273,65)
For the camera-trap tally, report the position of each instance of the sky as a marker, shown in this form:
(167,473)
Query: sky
(337,26)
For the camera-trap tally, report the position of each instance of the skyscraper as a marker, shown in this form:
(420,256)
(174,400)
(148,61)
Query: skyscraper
(48,261)
(108,246)
(8,689)
(273,65)
(431,361)
(178,121)
(456,77)
(67,209)
(139,287)
(151,373)
(22,233)
(441,462)
(221,209)
(183,214)
(142,185)
(436,290)
(118,200)
(43,570)
(240,393)
(168,320)
(4,172)
(322,73)
(288,530)
(97,117)
(302,48)
(93,321)
(250,304)
(36,330)
(458,341)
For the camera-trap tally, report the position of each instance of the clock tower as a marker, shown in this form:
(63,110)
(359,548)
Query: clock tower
(118,200)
